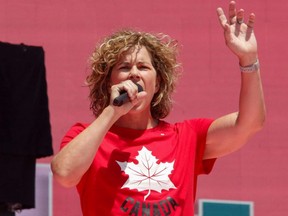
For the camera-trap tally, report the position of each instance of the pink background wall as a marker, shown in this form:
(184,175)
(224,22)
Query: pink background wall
(68,31)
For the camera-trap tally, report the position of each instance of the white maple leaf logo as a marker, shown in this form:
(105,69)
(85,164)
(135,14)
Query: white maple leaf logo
(147,174)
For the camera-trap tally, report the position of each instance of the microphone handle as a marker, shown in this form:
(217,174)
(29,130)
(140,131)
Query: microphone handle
(123,97)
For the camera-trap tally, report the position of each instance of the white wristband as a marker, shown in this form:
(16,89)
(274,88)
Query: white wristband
(250,68)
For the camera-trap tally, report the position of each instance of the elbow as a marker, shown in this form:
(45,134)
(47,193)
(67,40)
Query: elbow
(260,122)
(256,125)
(253,123)
(62,176)
(261,125)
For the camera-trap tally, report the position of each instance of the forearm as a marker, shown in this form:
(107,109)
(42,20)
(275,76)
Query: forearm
(230,132)
(70,164)
(251,102)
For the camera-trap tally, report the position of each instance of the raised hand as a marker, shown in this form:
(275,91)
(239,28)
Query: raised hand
(239,36)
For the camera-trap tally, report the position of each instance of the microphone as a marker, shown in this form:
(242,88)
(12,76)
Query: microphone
(123,97)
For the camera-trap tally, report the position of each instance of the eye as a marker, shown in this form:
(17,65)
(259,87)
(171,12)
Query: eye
(124,68)
(143,67)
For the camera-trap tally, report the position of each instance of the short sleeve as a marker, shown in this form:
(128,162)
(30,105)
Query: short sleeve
(201,127)
(72,133)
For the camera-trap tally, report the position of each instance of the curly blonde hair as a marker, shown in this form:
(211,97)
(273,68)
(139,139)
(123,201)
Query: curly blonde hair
(163,50)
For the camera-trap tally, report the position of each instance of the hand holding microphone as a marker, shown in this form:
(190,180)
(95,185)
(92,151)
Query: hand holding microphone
(123,97)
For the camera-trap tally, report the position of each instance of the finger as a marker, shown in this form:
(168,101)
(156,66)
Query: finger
(140,96)
(251,21)
(240,16)
(127,86)
(131,89)
(221,16)
(232,12)
(250,25)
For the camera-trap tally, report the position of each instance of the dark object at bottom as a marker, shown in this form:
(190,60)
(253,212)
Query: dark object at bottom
(17,189)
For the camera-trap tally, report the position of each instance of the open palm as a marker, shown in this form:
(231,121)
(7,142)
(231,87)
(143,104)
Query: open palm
(239,36)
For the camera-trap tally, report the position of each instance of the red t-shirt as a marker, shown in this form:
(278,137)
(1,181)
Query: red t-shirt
(145,172)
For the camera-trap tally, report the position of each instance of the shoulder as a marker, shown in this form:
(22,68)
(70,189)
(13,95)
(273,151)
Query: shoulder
(198,124)
(78,127)
(72,132)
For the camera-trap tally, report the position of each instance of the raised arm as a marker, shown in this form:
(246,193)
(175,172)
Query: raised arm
(230,132)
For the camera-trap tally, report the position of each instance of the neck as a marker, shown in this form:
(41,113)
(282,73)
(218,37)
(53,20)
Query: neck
(138,122)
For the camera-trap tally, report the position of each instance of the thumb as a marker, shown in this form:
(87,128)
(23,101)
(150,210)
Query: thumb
(140,96)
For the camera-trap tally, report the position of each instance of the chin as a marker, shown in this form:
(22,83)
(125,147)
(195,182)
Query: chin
(139,108)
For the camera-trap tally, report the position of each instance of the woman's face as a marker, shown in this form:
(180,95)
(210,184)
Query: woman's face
(136,65)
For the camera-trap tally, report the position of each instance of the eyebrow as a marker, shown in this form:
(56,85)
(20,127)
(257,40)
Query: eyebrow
(128,62)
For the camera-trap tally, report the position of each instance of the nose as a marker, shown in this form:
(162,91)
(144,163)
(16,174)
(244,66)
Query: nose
(134,74)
